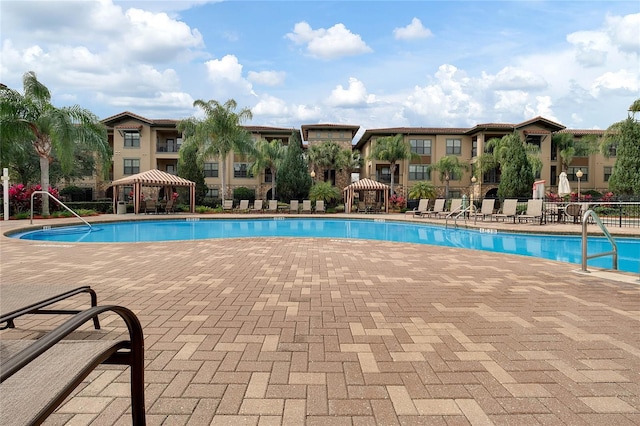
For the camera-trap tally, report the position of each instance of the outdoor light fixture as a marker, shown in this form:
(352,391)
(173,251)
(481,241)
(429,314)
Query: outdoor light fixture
(579,176)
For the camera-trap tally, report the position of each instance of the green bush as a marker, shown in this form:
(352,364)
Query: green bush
(205,209)
(243,193)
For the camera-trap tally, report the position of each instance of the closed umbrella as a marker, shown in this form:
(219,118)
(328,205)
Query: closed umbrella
(563,185)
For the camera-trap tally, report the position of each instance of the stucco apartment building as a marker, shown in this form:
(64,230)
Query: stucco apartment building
(140,144)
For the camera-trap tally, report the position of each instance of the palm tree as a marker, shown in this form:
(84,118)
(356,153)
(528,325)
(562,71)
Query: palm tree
(329,156)
(30,118)
(219,133)
(448,167)
(392,149)
(269,155)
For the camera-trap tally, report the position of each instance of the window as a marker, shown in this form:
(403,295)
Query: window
(131,166)
(535,140)
(419,172)
(213,192)
(607,173)
(241,170)
(171,169)
(474,148)
(420,146)
(132,139)
(454,146)
(613,150)
(571,174)
(179,143)
(330,135)
(210,170)
(384,175)
(268,177)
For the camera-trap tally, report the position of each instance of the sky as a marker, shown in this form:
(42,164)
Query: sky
(375,64)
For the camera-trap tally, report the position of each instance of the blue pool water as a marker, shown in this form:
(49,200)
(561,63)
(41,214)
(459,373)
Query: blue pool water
(556,247)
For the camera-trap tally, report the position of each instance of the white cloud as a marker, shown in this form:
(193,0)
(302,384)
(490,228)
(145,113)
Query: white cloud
(332,43)
(541,107)
(625,32)
(513,78)
(623,82)
(226,74)
(270,106)
(590,47)
(267,78)
(413,31)
(355,95)
(155,37)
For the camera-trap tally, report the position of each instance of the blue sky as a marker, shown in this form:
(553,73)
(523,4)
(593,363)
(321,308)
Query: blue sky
(369,63)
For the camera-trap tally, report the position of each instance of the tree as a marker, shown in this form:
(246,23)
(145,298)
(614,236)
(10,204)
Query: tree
(30,118)
(331,157)
(324,191)
(218,133)
(422,189)
(269,155)
(392,149)
(517,170)
(449,167)
(191,168)
(293,179)
(569,147)
(625,135)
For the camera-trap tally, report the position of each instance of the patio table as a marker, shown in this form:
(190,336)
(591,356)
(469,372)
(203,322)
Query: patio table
(21,299)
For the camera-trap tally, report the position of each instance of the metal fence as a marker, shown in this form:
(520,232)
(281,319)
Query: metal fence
(612,213)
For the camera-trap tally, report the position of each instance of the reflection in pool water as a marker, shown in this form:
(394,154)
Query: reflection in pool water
(556,247)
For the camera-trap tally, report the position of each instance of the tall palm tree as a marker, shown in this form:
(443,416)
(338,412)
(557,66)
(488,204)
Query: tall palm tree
(328,156)
(269,155)
(448,167)
(31,119)
(218,133)
(392,149)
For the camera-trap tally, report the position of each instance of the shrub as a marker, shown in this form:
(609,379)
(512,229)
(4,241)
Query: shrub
(20,198)
(397,202)
(243,193)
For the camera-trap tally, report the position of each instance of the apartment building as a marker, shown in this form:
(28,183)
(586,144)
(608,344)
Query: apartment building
(141,144)
(431,144)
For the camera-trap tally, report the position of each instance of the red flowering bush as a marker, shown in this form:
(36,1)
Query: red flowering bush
(174,196)
(20,198)
(397,202)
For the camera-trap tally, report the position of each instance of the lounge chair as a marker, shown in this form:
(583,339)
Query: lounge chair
(168,208)
(273,206)
(294,206)
(227,205)
(257,206)
(362,207)
(150,207)
(509,210)
(320,206)
(243,207)
(534,211)
(438,207)
(454,208)
(487,208)
(306,206)
(22,299)
(36,376)
(423,206)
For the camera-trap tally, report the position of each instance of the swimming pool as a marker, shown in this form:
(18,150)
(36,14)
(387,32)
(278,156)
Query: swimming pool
(563,248)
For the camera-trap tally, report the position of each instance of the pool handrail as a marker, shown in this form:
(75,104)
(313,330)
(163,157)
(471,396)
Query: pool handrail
(59,202)
(585,257)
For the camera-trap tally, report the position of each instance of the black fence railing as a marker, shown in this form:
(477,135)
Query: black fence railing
(612,213)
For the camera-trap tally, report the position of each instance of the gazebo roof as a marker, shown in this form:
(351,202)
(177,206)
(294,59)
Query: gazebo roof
(154,178)
(367,185)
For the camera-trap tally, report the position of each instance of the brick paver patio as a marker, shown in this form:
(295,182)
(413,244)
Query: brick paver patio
(318,331)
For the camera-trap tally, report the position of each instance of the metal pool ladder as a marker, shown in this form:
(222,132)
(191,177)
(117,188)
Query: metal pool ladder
(585,257)
(59,202)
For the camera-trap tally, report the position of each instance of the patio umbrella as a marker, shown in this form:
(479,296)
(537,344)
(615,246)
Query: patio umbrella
(563,185)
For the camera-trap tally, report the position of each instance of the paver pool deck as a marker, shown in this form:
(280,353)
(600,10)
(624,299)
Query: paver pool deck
(310,331)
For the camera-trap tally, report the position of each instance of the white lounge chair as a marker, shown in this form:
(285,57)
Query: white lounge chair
(294,206)
(509,210)
(320,206)
(487,208)
(423,206)
(534,211)
(438,207)
(306,206)
(454,208)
